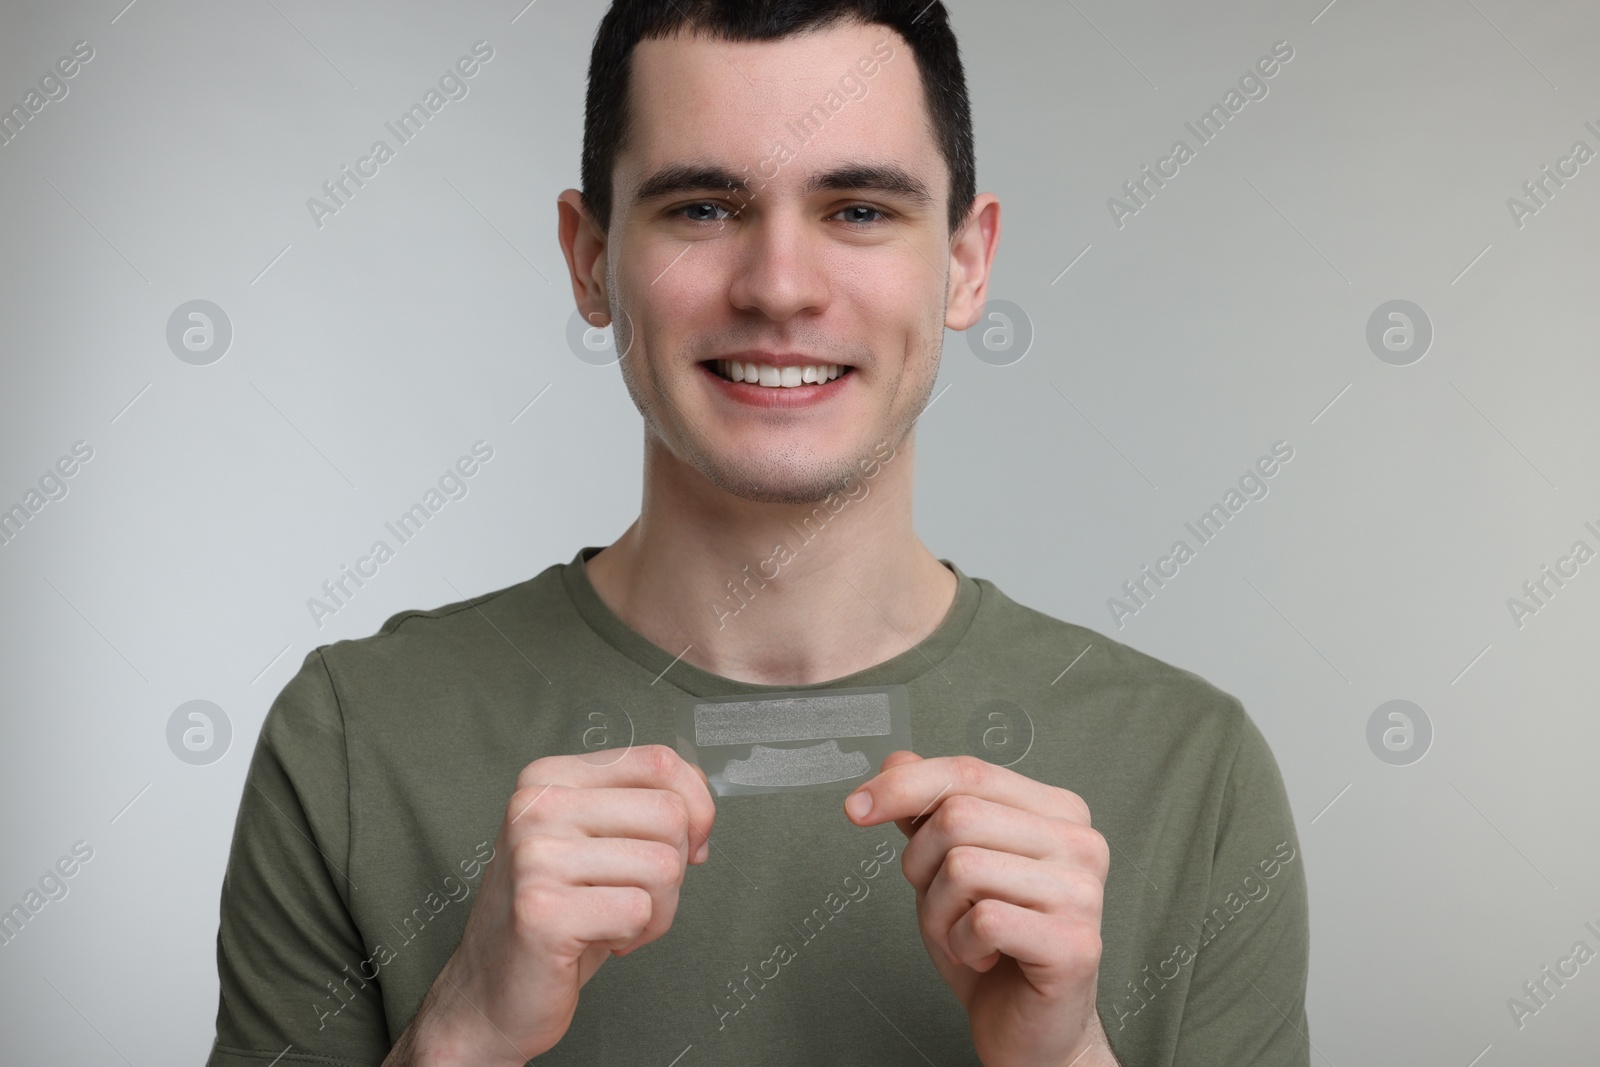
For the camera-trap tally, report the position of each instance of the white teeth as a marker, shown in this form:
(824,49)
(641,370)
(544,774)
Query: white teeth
(778,377)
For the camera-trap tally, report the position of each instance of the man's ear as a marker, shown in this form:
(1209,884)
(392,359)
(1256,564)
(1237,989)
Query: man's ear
(972,250)
(584,245)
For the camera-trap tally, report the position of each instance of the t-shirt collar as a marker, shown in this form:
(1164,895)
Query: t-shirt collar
(900,669)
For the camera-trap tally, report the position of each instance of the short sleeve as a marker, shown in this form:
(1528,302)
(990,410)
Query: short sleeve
(287,947)
(1246,1002)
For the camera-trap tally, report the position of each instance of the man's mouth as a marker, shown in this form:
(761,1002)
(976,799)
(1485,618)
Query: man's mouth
(737,370)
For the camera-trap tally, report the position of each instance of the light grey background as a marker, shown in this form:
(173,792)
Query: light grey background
(1228,314)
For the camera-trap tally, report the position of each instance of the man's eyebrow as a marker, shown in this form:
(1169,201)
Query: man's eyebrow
(876,177)
(889,178)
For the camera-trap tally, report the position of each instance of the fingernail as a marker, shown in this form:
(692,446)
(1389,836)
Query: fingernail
(859,804)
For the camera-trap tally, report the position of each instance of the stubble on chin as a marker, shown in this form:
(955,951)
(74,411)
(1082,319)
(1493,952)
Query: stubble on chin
(759,483)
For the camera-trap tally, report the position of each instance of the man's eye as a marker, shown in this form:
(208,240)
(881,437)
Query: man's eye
(882,215)
(709,211)
(698,212)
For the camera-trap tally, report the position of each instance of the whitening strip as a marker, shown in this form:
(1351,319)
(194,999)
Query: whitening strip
(793,741)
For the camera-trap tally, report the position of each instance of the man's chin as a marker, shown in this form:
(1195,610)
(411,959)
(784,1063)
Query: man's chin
(773,487)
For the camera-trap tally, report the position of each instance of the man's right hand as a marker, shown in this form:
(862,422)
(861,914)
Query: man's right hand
(588,863)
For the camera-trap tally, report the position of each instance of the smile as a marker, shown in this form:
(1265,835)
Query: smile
(764,374)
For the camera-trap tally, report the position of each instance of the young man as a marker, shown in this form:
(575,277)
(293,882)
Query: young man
(489,833)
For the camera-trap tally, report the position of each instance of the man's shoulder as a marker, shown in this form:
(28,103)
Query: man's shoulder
(1101,676)
(417,639)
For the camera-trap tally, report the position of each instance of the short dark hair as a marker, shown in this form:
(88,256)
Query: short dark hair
(924,25)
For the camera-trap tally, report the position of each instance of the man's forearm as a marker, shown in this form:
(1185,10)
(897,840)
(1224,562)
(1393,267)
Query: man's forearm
(423,1044)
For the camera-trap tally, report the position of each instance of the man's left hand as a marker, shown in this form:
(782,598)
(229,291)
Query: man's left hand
(1010,879)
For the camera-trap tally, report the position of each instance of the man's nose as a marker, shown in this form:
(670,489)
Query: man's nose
(780,268)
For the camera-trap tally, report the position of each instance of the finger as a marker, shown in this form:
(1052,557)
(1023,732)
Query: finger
(1038,942)
(643,814)
(898,757)
(613,916)
(551,868)
(973,874)
(907,825)
(913,789)
(970,820)
(703,851)
(648,766)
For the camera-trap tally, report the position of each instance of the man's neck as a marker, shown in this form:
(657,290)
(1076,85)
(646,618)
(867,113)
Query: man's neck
(702,573)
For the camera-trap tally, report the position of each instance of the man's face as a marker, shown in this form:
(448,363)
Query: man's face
(847,272)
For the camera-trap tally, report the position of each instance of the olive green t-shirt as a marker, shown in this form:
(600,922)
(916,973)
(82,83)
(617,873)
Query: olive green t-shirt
(384,768)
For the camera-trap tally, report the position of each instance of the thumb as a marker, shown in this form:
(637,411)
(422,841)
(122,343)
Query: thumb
(899,758)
